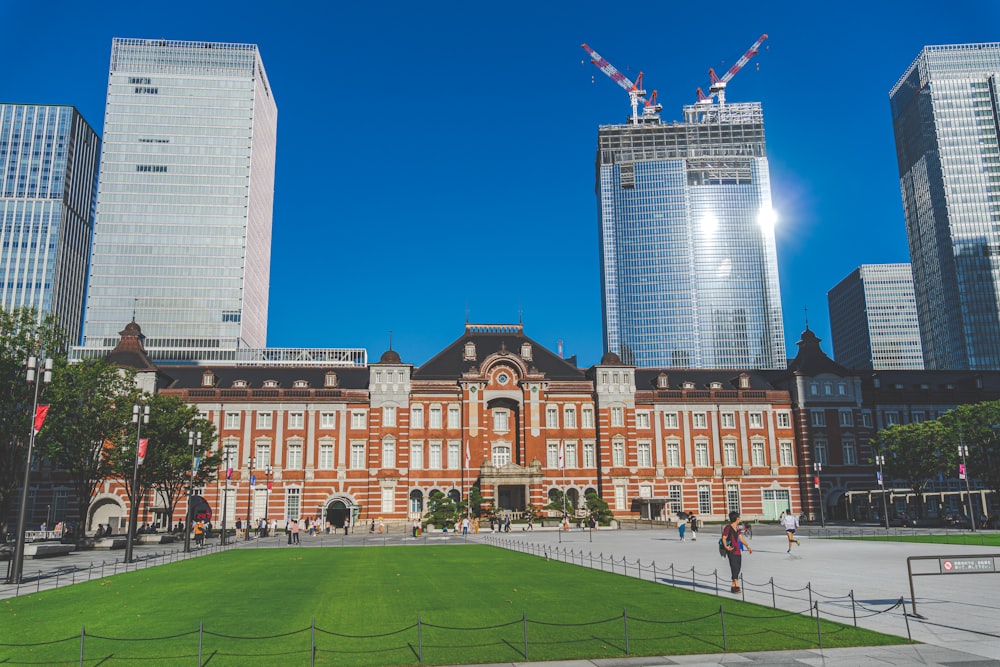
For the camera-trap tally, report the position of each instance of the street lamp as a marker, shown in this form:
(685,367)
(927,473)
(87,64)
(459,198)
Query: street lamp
(31,376)
(963,473)
(193,439)
(817,468)
(250,462)
(880,461)
(140,416)
(268,470)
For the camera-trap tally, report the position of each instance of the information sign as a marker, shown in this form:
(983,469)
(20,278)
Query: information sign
(959,565)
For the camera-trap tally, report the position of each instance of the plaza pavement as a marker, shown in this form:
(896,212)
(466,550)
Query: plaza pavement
(961,624)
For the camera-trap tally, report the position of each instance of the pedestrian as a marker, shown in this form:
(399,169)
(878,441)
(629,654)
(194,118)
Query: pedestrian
(347,523)
(693,525)
(416,527)
(288,530)
(199,533)
(790,523)
(295,531)
(681,523)
(734,544)
(506,524)
(465,526)
(381,526)
(371,528)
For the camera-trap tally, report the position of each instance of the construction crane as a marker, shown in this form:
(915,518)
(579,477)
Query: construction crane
(635,92)
(718,87)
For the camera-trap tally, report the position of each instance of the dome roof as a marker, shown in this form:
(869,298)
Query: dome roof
(611,359)
(390,357)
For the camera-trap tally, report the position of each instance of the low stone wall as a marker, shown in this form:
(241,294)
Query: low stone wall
(46,549)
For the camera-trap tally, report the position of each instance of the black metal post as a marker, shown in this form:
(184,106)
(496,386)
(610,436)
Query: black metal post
(140,416)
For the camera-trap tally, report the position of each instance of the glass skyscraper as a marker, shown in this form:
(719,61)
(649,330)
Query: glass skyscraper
(689,274)
(183,228)
(873,319)
(946,118)
(48,179)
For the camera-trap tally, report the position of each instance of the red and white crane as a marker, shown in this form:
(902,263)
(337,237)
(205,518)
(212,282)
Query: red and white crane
(718,87)
(636,94)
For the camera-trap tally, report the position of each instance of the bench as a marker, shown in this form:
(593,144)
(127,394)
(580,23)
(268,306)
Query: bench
(156,538)
(47,549)
(110,543)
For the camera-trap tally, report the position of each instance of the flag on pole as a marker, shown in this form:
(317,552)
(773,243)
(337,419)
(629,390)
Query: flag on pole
(197,464)
(143,444)
(229,473)
(40,413)
(467,454)
(562,456)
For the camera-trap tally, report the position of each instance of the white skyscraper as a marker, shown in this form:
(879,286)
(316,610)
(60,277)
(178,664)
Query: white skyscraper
(183,226)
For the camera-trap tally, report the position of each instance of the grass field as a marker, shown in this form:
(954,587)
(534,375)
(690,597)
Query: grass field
(973,539)
(257,607)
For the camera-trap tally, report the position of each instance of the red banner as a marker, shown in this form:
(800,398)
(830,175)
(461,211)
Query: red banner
(143,444)
(40,413)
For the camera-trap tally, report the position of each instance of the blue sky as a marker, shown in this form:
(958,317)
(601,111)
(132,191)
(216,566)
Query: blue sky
(437,158)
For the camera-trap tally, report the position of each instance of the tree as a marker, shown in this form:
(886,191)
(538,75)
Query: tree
(22,334)
(916,453)
(476,501)
(978,427)
(599,509)
(560,502)
(87,412)
(441,509)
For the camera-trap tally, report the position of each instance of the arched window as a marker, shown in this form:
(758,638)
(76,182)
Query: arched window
(455,496)
(416,501)
(501,455)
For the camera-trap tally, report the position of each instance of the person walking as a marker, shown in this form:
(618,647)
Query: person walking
(295,531)
(693,525)
(681,523)
(347,524)
(790,522)
(734,544)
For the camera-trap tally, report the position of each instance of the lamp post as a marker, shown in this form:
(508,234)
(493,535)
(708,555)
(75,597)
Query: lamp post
(193,438)
(268,470)
(140,416)
(817,468)
(963,473)
(880,461)
(252,480)
(31,376)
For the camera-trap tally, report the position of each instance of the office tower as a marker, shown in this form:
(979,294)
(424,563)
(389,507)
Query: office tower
(946,119)
(48,178)
(182,238)
(873,319)
(689,274)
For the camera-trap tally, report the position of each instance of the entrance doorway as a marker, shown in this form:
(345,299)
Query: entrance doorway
(776,501)
(511,497)
(336,512)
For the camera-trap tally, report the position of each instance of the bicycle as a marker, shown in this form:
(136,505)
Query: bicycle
(746,531)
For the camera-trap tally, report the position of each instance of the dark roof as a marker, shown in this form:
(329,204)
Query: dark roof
(390,357)
(130,351)
(190,377)
(450,363)
(812,361)
(648,378)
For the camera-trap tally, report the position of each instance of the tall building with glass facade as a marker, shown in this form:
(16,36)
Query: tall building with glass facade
(182,239)
(689,273)
(873,319)
(48,178)
(946,119)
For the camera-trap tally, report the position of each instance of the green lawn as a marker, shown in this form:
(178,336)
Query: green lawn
(973,539)
(257,607)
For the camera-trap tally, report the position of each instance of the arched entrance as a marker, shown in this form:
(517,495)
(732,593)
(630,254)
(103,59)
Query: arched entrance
(107,511)
(338,511)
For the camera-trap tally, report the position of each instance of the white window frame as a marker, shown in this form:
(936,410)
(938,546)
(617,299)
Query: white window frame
(388,452)
(296,420)
(434,462)
(618,453)
(232,420)
(265,420)
(617,416)
(325,461)
(699,420)
(728,420)
(642,419)
(673,454)
(569,416)
(293,456)
(701,454)
(417,416)
(328,419)
(388,415)
(784,420)
(454,417)
(787,453)
(551,416)
(644,454)
(730,454)
(670,420)
(358,455)
(758,454)
(416,454)
(359,420)
(589,455)
(434,417)
(756,420)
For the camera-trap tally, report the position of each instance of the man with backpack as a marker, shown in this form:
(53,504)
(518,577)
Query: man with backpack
(734,543)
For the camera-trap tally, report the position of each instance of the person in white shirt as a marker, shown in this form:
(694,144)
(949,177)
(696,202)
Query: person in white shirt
(790,522)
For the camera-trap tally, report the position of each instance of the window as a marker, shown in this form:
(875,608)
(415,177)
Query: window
(757,454)
(587,417)
(229,453)
(262,454)
(571,461)
(756,420)
(784,420)
(501,455)
(828,389)
(819,451)
(416,501)
(617,416)
(416,455)
(330,381)
(676,495)
(850,454)
(620,498)
(785,451)
(454,417)
(454,455)
(388,506)
(389,453)
(358,419)
(358,455)
(814,388)
(569,417)
(918,417)
(435,417)
(296,420)
(501,421)
(388,415)
(589,460)
(618,453)
(841,389)
(670,420)
(729,453)
(294,460)
(293,501)
(417,416)
(704,499)
(264,420)
(673,454)
(642,420)
(552,417)
(891,418)
(733,497)
(435,463)
(328,420)
(866,419)
(818,418)
(846,418)
(552,455)
(644,455)
(326,456)
(698,420)
(232,420)
(701,454)
(728,420)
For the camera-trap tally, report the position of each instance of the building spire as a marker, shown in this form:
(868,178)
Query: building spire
(806,310)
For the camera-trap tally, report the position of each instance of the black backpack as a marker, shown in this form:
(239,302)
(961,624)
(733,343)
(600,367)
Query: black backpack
(722,544)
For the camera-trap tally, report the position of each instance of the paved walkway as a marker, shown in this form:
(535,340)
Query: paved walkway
(961,624)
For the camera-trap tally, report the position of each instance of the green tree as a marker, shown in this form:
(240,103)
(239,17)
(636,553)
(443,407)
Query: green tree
(916,453)
(476,501)
(557,498)
(978,427)
(87,412)
(22,334)
(599,509)
(441,510)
